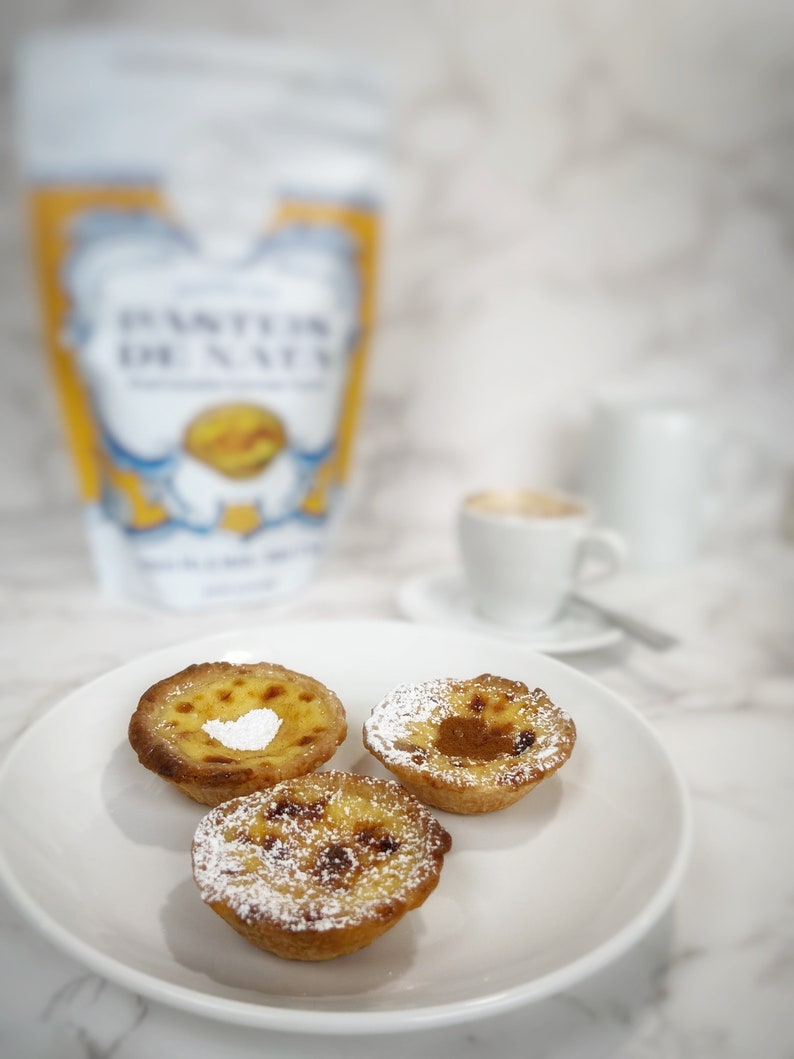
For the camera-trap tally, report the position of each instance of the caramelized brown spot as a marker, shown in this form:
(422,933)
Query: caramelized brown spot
(306,740)
(238,682)
(306,696)
(285,807)
(523,741)
(477,704)
(184,707)
(333,864)
(275,847)
(224,695)
(470,737)
(378,838)
(216,759)
(272,692)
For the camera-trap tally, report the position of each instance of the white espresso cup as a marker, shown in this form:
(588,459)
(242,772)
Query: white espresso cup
(524,551)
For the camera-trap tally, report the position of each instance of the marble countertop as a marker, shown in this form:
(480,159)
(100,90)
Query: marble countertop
(713,978)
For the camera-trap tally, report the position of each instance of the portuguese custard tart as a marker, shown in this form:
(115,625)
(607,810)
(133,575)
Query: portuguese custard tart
(219,730)
(318,866)
(469,746)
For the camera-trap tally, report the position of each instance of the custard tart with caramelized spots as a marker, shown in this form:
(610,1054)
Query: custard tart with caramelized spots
(469,746)
(319,866)
(219,730)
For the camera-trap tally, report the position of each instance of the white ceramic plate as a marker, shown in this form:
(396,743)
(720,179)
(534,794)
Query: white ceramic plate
(95,850)
(439,597)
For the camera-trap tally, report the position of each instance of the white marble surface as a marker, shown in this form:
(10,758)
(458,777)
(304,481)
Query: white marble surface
(714,979)
(585,196)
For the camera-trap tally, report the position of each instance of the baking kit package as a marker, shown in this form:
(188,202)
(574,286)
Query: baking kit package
(204,217)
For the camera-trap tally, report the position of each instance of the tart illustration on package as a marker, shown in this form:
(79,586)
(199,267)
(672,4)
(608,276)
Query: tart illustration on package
(205,224)
(238,440)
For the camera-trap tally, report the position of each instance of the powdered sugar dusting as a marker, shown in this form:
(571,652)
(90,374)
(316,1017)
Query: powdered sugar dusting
(401,728)
(254,730)
(314,854)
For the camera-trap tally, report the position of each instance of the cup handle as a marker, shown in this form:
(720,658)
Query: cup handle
(603,544)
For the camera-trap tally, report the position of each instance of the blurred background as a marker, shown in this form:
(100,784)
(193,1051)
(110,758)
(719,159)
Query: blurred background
(583,197)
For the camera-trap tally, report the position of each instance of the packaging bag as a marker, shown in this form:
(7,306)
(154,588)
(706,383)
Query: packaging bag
(204,216)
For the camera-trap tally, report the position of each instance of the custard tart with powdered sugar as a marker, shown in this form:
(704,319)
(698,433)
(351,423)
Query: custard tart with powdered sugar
(219,730)
(469,746)
(319,866)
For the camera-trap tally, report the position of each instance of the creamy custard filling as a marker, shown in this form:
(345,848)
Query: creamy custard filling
(470,731)
(299,718)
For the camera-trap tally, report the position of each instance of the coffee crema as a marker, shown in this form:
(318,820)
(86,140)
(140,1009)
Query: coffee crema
(525,503)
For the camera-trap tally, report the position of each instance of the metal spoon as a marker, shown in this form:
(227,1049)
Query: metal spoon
(633,627)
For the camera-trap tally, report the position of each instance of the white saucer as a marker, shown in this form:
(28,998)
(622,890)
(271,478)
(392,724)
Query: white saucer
(440,597)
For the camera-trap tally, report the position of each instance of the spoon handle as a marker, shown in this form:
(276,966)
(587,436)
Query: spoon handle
(638,630)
